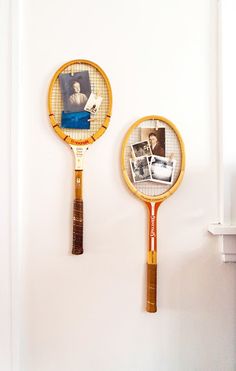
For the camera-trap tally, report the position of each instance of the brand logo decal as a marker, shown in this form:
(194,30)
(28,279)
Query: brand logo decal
(153,220)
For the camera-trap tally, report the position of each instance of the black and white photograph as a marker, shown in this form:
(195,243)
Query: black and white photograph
(162,169)
(93,103)
(156,140)
(141,149)
(140,169)
(75,90)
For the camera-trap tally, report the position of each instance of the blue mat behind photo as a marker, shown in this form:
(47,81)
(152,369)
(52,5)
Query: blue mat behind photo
(75,120)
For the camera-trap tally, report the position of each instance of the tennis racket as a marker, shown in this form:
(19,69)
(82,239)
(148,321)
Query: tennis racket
(153,161)
(94,80)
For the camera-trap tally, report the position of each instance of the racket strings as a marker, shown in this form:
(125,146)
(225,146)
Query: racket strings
(98,87)
(172,148)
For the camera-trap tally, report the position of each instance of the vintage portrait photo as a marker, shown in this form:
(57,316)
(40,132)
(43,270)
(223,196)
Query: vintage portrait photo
(156,139)
(141,149)
(140,169)
(75,90)
(162,169)
(93,103)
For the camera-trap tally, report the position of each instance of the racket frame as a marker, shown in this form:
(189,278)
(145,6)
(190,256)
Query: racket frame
(79,146)
(152,203)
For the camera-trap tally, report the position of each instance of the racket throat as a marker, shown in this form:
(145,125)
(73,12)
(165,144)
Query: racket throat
(79,152)
(152,253)
(152,248)
(152,226)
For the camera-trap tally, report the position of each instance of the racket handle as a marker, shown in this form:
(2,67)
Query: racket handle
(151,288)
(78,228)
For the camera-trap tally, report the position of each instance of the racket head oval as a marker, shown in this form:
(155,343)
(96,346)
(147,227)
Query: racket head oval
(99,84)
(153,191)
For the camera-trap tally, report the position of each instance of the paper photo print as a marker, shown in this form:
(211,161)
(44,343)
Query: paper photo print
(156,139)
(162,169)
(75,90)
(140,169)
(141,149)
(93,103)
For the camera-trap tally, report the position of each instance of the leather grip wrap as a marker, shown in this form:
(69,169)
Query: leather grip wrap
(78,228)
(151,288)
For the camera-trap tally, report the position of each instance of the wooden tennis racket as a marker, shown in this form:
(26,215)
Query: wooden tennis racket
(79,139)
(152,177)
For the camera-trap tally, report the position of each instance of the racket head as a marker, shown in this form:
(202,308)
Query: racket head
(99,85)
(153,190)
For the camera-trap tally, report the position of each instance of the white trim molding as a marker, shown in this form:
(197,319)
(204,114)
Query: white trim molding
(227,235)
(226,227)
(15,188)
(10,43)
(5,139)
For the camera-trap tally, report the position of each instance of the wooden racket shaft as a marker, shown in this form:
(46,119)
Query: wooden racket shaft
(78,218)
(151,288)
(152,259)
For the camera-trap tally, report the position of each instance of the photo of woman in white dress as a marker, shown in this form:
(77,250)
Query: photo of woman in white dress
(77,98)
(75,90)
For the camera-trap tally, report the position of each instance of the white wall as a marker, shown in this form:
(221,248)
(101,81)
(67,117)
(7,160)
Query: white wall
(87,313)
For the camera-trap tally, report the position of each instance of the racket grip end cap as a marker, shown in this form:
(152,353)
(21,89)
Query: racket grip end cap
(151,306)
(78,251)
(77,248)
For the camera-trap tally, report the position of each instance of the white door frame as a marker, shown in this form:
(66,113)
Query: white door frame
(10,34)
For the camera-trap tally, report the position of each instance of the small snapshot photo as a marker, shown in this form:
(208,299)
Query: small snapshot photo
(162,169)
(75,89)
(93,103)
(140,169)
(156,140)
(141,149)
